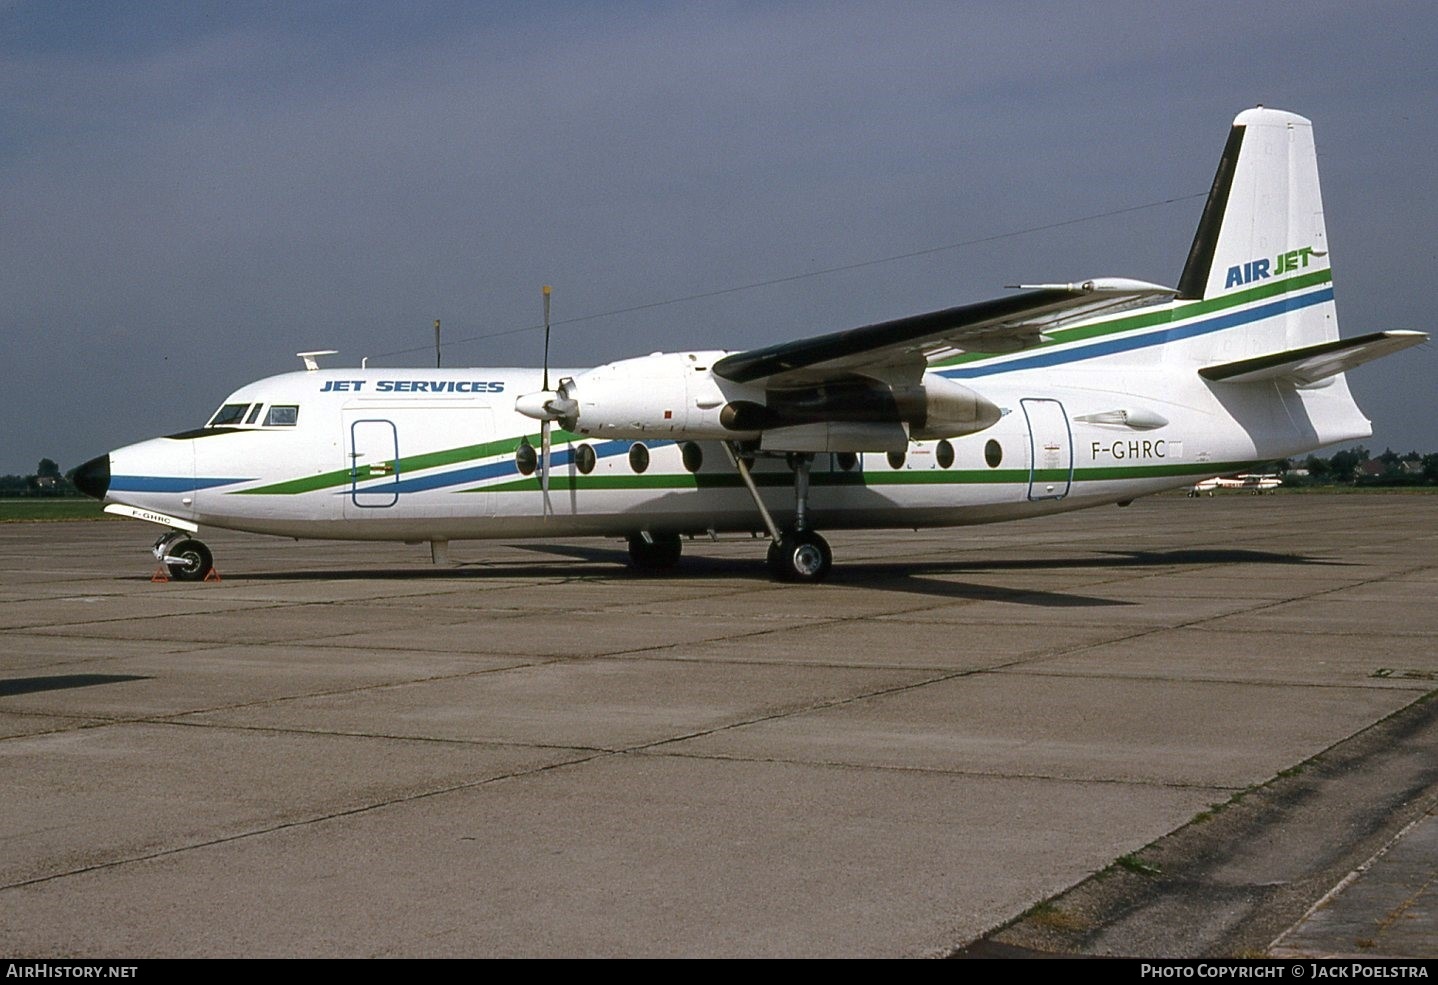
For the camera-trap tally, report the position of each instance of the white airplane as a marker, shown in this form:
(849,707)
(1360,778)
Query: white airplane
(1253,482)
(1060,397)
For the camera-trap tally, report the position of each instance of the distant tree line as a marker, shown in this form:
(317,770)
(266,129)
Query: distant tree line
(1358,467)
(46,480)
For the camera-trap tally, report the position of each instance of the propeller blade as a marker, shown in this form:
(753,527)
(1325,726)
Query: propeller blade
(548,416)
(546,337)
(544,476)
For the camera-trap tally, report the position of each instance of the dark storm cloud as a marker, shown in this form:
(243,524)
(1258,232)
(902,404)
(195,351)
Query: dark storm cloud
(193,192)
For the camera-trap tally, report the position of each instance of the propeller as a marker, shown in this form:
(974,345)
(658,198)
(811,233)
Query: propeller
(544,425)
(547,406)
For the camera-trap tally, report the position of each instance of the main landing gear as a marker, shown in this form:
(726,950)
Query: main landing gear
(184,557)
(797,553)
(800,555)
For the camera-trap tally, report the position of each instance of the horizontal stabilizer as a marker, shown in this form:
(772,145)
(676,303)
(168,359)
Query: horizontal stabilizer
(1313,363)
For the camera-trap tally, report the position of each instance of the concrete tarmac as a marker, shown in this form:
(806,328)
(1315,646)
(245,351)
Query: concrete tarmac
(341,750)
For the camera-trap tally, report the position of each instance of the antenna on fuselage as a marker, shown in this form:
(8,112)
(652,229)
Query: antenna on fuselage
(311,360)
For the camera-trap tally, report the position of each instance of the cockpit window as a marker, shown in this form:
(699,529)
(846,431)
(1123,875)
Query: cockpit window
(229,414)
(282,416)
(254,413)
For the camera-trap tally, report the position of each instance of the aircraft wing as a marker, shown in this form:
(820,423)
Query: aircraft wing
(908,345)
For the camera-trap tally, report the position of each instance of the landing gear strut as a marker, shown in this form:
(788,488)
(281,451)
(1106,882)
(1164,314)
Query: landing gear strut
(798,553)
(186,559)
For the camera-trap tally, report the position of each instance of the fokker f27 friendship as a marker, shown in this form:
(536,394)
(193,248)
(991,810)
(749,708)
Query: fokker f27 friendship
(1058,397)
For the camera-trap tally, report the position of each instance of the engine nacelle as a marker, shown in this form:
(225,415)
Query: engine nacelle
(951,410)
(663,393)
(675,393)
(934,408)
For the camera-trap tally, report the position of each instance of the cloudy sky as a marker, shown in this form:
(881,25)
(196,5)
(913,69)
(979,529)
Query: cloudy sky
(191,192)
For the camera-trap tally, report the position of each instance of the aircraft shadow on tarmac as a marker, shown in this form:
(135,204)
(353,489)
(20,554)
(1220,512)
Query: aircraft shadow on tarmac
(31,685)
(919,577)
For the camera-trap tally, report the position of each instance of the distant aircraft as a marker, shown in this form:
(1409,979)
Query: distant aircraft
(1060,397)
(1257,484)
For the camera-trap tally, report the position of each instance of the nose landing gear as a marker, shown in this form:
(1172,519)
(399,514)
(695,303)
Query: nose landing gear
(184,557)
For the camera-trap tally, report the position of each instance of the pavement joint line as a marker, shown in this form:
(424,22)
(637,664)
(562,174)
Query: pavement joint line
(257,606)
(1238,801)
(100,719)
(1401,909)
(530,662)
(340,733)
(185,648)
(78,723)
(815,707)
(117,620)
(1197,623)
(1120,577)
(1243,682)
(335,692)
(722,661)
(1217,788)
(288,825)
(1308,632)
(176,719)
(743,635)
(142,618)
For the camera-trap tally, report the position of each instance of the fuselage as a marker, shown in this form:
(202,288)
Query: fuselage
(1105,411)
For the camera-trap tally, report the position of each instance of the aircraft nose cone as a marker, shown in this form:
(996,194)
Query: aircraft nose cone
(93,478)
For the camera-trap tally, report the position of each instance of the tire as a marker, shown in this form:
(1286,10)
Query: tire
(195,564)
(801,556)
(660,555)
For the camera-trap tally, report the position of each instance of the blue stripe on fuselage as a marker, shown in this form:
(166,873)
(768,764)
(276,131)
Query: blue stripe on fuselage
(1128,343)
(559,456)
(164,484)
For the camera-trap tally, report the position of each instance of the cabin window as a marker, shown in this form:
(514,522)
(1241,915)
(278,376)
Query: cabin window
(254,413)
(693,456)
(638,457)
(944,454)
(993,453)
(584,459)
(282,416)
(229,414)
(896,459)
(525,459)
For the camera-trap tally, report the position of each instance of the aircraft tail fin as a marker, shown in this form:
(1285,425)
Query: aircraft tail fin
(1255,309)
(1264,216)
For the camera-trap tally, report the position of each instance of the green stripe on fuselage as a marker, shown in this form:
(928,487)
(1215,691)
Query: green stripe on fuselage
(958,477)
(404,466)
